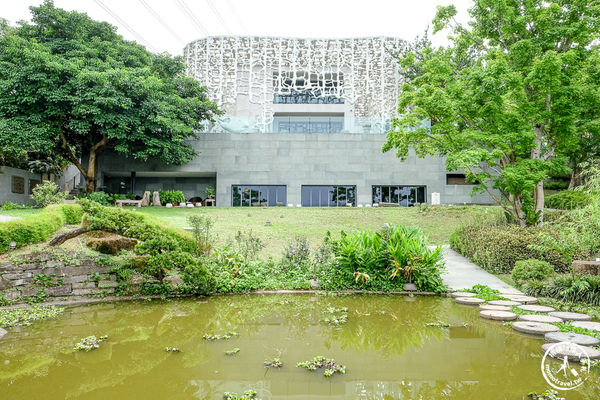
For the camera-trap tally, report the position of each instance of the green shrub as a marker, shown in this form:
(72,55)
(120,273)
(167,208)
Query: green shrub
(201,229)
(162,263)
(171,196)
(570,288)
(297,251)
(567,200)
(100,198)
(556,185)
(531,269)
(34,229)
(72,213)
(13,206)
(47,193)
(157,245)
(198,279)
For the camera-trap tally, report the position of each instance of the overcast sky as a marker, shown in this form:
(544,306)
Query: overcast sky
(167,25)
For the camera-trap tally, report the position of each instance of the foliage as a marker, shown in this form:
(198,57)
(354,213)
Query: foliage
(273,363)
(561,305)
(531,269)
(232,352)
(171,196)
(157,245)
(567,327)
(13,206)
(507,99)
(335,316)
(485,292)
(72,213)
(26,315)
(246,244)
(30,230)
(376,259)
(247,395)
(47,193)
(555,185)
(223,336)
(90,343)
(198,279)
(329,364)
(568,199)
(297,251)
(210,191)
(161,264)
(102,198)
(549,394)
(172,350)
(201,228)
(568,288)
(73,87)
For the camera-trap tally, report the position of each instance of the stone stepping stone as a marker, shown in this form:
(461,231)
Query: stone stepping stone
(593,326)
(577,338)
(534,328)
(539,318)
(498,315)
(462,294)
(570,316)
(504,303)
(536,308)
(573,353)
(472,301)
(520,298)
(487,307)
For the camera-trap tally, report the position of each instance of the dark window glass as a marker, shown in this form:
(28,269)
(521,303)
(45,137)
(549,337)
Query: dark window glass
(406,196)
(255,195)
(328,196)
(458,179)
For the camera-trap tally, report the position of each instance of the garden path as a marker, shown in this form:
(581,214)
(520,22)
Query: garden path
(462,274)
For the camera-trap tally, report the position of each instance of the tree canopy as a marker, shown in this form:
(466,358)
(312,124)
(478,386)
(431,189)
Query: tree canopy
(510,101)
(72,87)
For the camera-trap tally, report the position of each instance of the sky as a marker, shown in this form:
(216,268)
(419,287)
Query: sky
(168,25)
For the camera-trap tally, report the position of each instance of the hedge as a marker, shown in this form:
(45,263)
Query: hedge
(496,246)
(38,228)
(567,200)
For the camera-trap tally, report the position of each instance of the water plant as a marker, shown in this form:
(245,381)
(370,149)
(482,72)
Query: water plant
(335,316)
(247,395)
(329,364)
(26,315)
(90,343)
(484,292)
(274,363)
(224,336)
(172,350)
(547,395)
(232,351)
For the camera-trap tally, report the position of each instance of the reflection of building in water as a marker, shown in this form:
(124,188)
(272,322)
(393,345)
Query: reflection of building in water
(304,123)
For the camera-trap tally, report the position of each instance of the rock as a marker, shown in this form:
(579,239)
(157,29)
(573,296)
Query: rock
(471,301)
(268,223)
(156,199)
(498,315)
(409,287)
(4,284)
(570,316)
(504,303)
(146,199)
(520,298)
(586,267)
(174,280)
(314,284)
(594,326)
(571,351)
(462,294)
(190,205)
(2,332)
(577,338)
(539,318)
(169,205)
(536,308)
(111,244)
(534,328)
(487,307)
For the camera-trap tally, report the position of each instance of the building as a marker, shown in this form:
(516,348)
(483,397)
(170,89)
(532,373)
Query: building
(304,125)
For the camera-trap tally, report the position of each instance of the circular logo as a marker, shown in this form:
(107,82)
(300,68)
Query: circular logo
(572,368)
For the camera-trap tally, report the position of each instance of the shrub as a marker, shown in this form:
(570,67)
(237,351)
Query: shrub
(556,185)
(72,213)
(157,245)
(531,269)
(100,198)
(570,288)
(171,196)
(162,263)
(47,193)
(567,199)
(34,229)
(198,279)
(201,228)
(13,206)
(297,251)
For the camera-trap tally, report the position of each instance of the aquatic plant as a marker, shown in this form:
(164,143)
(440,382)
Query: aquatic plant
(247,395)
(336,316)
(274,363)
(224,336)
(26,315)
(329,364)
(90,343)
(232,351)
(484,292)
(172,350)
(547,395)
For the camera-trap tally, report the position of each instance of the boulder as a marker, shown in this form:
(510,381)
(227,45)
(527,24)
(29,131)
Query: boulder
(156,199)
(4,283)
(174,281)
(409,287)
(586,267)
(314,284)
(111,244)
(146,199)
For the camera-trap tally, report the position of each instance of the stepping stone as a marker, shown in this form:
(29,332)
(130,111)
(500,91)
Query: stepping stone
(573,353)
(593,326)
(462,294)
(487,307)
(520,298)
(498,315)
(504,303)
(534,328)
(472,301)
(536,308)
(539,318)
(577,338)
(570,316)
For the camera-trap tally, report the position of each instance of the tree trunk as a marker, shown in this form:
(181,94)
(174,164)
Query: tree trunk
(574,178)
(538,198)
(90,175)
(60,239)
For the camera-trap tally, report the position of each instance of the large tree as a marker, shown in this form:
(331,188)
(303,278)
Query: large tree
(508,99)
(73,87)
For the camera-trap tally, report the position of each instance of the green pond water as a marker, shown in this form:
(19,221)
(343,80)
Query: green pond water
(386,346)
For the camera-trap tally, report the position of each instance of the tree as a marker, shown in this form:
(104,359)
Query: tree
(72,86)
(506,99)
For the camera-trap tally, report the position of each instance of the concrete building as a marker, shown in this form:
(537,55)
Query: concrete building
(304,125)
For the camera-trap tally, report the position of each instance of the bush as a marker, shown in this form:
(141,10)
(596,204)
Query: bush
(297,251)
(100,198)
(72,213)
(556,185)
(171,196)
(31,230)
(201,229)
(567,200)
(198,279)
(570,288)
(162,263)
(531,269)
(157,245)
(13,206)
(47,193)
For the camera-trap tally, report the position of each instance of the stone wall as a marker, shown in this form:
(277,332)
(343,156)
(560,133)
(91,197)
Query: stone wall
(54,276)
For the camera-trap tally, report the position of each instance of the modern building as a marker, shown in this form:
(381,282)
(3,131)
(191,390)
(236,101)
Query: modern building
(304,125)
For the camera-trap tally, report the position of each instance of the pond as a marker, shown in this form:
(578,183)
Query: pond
(389,350)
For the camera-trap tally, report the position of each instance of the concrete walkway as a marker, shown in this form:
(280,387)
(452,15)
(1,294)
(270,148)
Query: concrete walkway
(463,274)
(6,218)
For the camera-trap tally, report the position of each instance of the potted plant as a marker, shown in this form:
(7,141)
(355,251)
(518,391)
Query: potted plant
(210,192)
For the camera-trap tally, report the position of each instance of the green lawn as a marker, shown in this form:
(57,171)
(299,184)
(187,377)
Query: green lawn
(23,213)
(436,222)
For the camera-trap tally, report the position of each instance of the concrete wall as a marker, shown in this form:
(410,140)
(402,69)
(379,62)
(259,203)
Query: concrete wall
(303,159)
(70,178)
(7,189)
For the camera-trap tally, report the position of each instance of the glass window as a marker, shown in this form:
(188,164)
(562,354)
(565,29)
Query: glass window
(257,195)
(328,196)
(406,196)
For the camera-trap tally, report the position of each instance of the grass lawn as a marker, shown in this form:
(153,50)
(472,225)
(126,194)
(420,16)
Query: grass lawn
(23,213)
(436,222)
